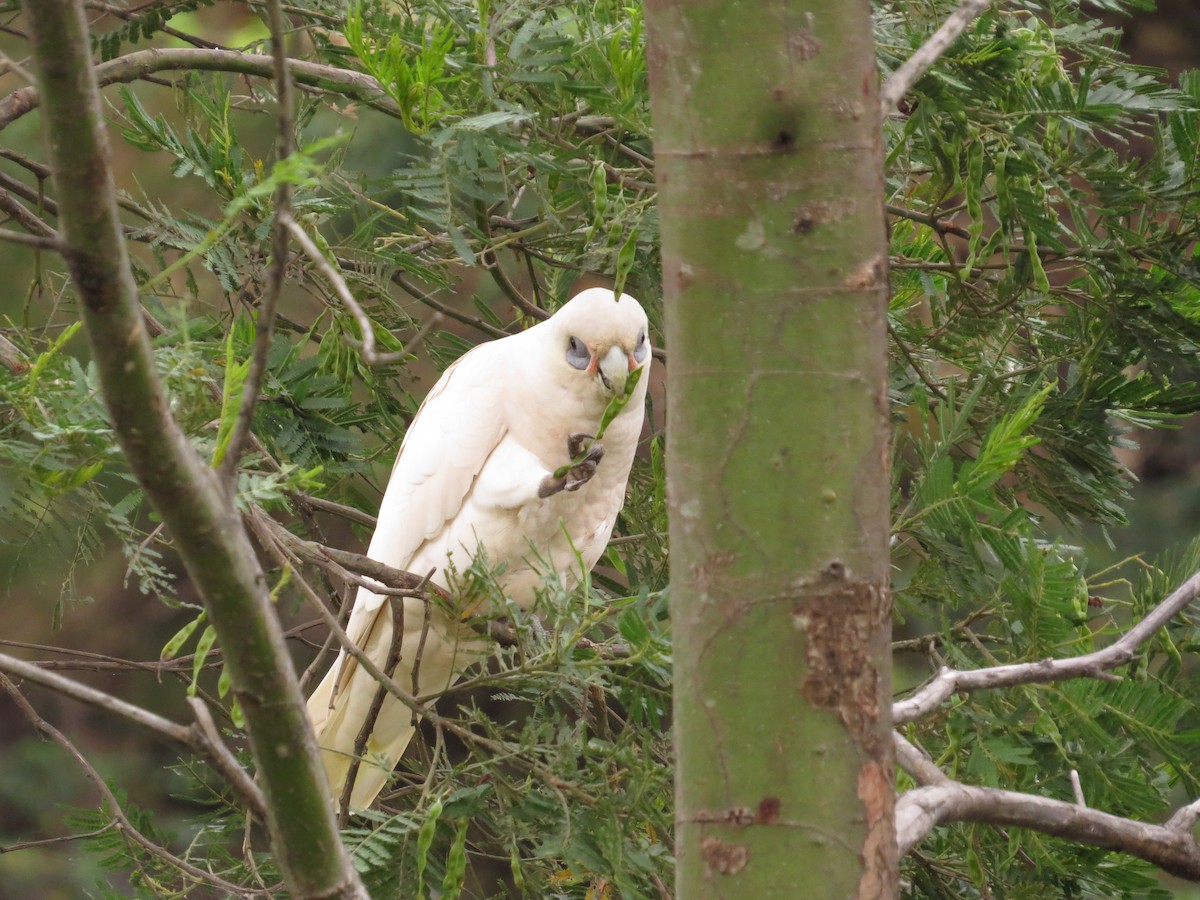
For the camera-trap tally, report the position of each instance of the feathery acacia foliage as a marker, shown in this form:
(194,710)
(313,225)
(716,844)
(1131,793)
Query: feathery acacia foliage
(1046,300)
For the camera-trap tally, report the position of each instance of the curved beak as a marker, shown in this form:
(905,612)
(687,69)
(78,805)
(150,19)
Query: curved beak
(614,368)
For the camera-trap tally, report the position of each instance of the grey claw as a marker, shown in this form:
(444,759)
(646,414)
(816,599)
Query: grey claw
(578,475)
(582,473)
(575,443)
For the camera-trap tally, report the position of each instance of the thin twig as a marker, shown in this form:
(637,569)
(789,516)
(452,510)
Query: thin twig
(30,240)
(366,343)
(129,16)
(206,743)
(931,51)
(338,509)
(141,64)
(1077,788)
(61,839)
(23,217)
(941,226)
(114,808)
(282,209)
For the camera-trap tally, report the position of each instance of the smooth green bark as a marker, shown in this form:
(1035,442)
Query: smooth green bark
(206,527)
(769,161)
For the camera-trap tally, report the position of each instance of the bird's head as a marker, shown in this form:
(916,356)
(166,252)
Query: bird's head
(601,338)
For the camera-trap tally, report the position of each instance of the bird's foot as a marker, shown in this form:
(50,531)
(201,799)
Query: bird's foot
(578,471)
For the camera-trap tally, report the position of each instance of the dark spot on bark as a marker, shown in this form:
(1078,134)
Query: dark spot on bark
(804,222)
(768,811)
(778,94)
(784,140)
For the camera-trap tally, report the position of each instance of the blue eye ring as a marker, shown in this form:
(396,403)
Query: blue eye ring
(639,351)
(578,355)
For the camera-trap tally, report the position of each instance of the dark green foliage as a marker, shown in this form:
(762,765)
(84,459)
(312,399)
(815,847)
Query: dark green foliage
(1032,334)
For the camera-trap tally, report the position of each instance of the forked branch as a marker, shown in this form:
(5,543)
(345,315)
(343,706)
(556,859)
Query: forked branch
(941,800)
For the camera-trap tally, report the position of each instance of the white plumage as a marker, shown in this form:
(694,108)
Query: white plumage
(476,469)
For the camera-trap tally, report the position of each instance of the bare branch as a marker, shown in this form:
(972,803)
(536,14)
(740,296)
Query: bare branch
(1185,818)
(143,63)
(281,211)
(916,762)
(281,207)
(380,578)
(941,226)
(23,217)
(61,839)
(923,808)
(920,62)
(19,668)
(30,240)
(337,509)
(338,283)
(220,758)
(1091,665)
(1077,788)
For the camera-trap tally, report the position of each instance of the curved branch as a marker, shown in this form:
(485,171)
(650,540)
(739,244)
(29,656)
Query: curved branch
(1091,665)
(143,63)
(922,809)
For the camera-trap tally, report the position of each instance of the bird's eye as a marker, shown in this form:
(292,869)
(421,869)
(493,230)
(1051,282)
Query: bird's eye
(639,351)
(577,354)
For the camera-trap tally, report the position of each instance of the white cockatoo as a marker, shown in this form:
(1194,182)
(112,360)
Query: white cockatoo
(477,470)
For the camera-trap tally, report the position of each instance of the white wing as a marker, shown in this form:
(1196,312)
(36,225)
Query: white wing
(452,436)
(454,432)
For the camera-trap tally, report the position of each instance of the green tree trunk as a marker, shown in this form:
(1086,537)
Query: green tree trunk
(768,148)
